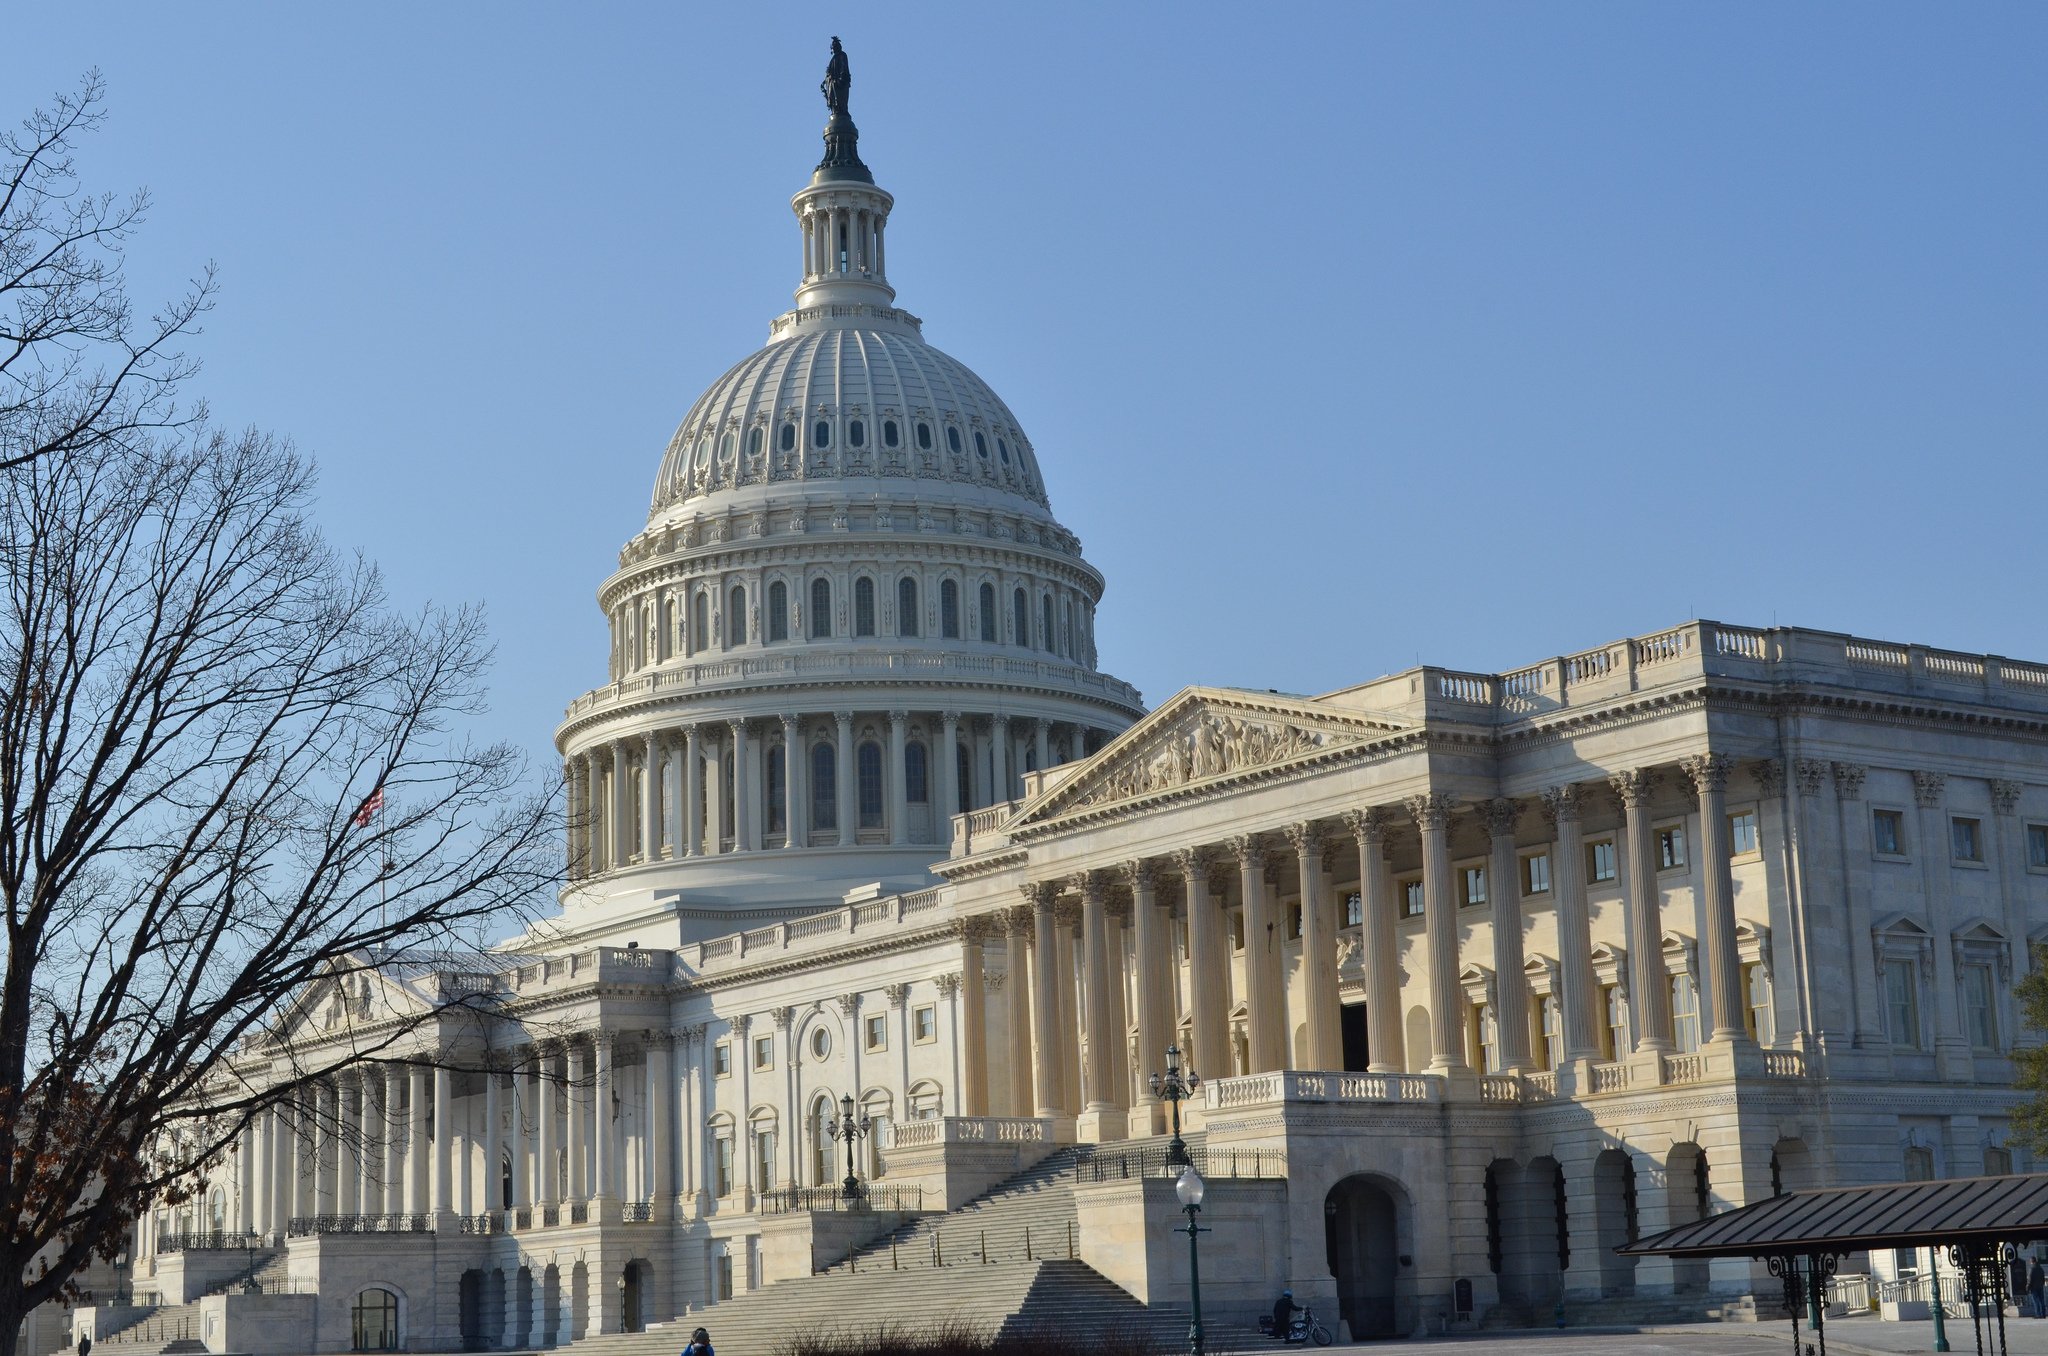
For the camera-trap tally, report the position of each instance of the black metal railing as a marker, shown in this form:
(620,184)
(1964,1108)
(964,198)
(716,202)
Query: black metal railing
(902,1200)
(1111,1165)
(550,1216)
(579,1212)
(637,1212)
(216,1241)
(489,1222)
(302,1225)
(522,1218)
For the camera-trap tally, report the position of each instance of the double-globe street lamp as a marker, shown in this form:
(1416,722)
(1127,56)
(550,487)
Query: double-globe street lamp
(845,1127)
(1176,1087)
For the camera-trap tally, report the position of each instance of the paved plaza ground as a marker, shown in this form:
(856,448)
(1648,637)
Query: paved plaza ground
(1862,1336)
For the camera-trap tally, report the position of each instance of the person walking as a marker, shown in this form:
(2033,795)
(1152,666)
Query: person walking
(2037,1287)
(85,1344)
(2016,1282)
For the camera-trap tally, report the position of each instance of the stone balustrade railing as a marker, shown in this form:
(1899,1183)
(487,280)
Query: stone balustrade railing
(676,680)
(823,931)
(1687,1068)
(1705,648)
(970,1130)
(1784,1064)
(1224,1094)
(1610,1077)
(981,830)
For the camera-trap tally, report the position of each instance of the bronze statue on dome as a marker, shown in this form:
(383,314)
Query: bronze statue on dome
(838,80)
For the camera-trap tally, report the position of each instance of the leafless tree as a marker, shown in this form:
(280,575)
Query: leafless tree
(198,700)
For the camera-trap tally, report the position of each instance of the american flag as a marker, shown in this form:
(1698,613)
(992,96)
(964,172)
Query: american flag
(369,809)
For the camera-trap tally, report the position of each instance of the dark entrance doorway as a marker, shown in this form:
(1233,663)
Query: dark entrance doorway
(1361,1225)
(1357,1053)
(631,1317)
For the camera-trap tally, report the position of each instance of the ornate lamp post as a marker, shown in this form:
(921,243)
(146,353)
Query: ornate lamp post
(1176,1087)
(1189,1190)
(845,1127)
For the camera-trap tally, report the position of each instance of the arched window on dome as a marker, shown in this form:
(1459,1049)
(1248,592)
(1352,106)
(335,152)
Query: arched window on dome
(1003,448)
(980,446)
(755,438)
(736,617)
(924,437)
(1067,631)
(988,613)
(915,781)
(1020,618)
(824,787)
(963,779)
(949,610)
(700,623)
(906,606)
(821,608)
(863,606)
(778,611)
(821,434)
(777,817)
(890,436)
(952,438)
(869,759)
(727,446)
(856,433)
(788,436)
(1050,639)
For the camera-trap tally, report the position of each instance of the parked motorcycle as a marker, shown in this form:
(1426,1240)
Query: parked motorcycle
(1304,1327)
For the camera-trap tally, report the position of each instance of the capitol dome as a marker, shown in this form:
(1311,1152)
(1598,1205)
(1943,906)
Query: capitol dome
(850,618)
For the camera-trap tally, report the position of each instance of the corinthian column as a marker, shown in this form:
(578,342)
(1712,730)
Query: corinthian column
(846,774)
(692,799)
(1709,773)
(1208,994)
(1265,1006)
(1384,1044)
(892,780)
(1045,1000)
(1649,983)
(1151,952)
(1103,1119)
(743,817)
(973,1020)
(1318,953)
(1432,815)
(618,808)
(1019,985)
(1504,894)
(1578,989)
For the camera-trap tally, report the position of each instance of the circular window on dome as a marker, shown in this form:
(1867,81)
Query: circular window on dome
(789,437)
(924,437)
(821,1043)
(754,441)
(856,434)
(1003,448)
(981,447)
(889,435)
(953,437)
(821,434)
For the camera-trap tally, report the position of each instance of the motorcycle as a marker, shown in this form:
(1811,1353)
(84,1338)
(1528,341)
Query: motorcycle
(1303,1327)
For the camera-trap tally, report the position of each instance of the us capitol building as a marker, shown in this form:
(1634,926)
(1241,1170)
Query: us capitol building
(1483,973)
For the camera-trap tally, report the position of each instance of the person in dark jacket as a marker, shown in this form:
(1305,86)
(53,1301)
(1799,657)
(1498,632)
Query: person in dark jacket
(2016,1281)
(1283,1313)
(2037,1288)
(700,1344)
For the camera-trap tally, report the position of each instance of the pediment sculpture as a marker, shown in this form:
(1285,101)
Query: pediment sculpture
(1209,745)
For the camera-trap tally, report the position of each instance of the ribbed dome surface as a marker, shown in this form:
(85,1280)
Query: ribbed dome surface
(848,403)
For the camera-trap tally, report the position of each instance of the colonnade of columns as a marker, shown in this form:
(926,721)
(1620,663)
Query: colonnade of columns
(664,794)
(1108,936)
(841,239)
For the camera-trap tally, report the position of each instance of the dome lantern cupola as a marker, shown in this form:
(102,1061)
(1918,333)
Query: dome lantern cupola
(842,214)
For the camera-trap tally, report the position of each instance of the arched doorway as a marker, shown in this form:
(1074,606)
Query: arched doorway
(1362,1229)
(1614,1219)
(632,1291)
(1688,1197)
(373,1321)
(470,1311)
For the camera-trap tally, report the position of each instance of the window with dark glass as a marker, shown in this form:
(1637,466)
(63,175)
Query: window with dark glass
(736,617)
(952,438)
(906,606)
(789,437)
(821,433)
(1411,899)
(889,434)
(1742,837)
(754,439)
(1888,833)
(924,437)
(856,433)
(963,779)
(1536,874)
(1670,847)
(915,782)
(821,608)
(824,788)
(778,611)
(1966,839)
(1600,861)
(869,759)
(700,622)
(980,446)
(949,610)
(1021,617)
(988,634)
(863,606)
(1051,637)
(2037,845)
(778,783)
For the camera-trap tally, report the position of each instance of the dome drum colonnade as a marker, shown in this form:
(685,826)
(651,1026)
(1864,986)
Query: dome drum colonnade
(1079,921)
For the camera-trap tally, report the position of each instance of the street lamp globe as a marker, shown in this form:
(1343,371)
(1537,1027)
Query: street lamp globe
(1189,1189)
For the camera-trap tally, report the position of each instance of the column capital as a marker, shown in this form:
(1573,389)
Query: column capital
(742,1024)
(950,717)
(1849,780)
(1560,804)
(660,1038)
(789,721)
(1708,771)
(897,994)
(1039,894)
(1368,825)
(1810,773)
(975,929)
(1633,787)
(1306,839)
(992,980)
(1928,788)
(2005,796)
(1189,862)
(949,985)
(1769,776)
(1088,884)
(1249,850)
(1432,810)
(1018,918)
(1139,875)
(695,1033)
(898,717)
(845,718)
(999,722)
(550,1046)
(1499,814)
(849,1004)
(785,1018)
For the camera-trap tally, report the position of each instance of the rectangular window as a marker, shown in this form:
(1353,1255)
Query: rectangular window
(1294,922)
(1756,982)
(1670,847)
(1685,1014)
(1742,839)
(1237,929)
(1486,1048)
(1600,860)
(1411,899)
(1902,1003)
(1536,874)
(1471,886)
(1354,911)
(877,1028)
(723,1279)
(1966,839)
(1553,1031)
(2037,845)
(1616,1033)
(721,1060)
(1980,1018)
(924,1024)
(764,1160)
(764,1052)
(1888,833)
(721,1167)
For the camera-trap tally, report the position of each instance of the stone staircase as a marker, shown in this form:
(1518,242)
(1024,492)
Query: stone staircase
(169,1329)
(1029,1282)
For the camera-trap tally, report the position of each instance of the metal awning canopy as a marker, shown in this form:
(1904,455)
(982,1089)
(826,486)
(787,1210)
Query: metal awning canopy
(1957,1212)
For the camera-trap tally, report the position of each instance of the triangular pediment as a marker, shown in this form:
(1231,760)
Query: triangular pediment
(1202,736)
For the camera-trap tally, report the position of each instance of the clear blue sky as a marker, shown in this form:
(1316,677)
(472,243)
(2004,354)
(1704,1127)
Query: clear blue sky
(1346,334)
